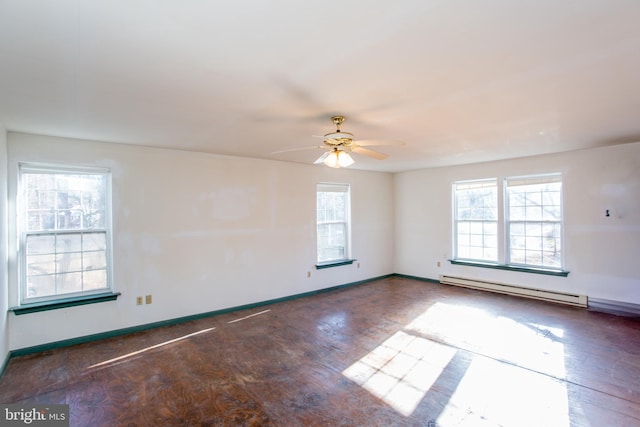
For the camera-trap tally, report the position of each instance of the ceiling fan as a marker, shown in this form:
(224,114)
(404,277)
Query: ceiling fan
(339,144)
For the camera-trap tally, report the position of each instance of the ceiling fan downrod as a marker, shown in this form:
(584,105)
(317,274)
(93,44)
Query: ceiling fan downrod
(337,120)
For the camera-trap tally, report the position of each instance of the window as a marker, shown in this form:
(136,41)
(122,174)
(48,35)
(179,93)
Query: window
(65,240)
(532,222)
(333,222)
(476,220)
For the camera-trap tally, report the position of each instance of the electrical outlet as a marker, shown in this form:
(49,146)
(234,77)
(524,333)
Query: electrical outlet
(138,300)
(147,299)
(308,274)
(438,263)
(358,265)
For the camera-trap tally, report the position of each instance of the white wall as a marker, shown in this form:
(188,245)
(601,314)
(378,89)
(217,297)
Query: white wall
(4,328)
(205,232)
(602,254)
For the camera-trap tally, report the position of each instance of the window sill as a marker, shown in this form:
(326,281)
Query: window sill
(335,263)
(64,303)
(548,272)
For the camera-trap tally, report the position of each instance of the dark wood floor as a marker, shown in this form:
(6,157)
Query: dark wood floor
(390,352)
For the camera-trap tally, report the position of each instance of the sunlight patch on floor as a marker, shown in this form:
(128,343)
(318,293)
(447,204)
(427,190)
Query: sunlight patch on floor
(401,370)
(530,345)
(492,393)
(515,376)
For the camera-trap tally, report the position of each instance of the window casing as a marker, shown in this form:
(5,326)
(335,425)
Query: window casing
(333,222)
(532,223)
(476,220)
(64,221)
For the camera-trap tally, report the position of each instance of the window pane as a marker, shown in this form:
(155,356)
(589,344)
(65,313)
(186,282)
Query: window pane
(68,243)
(533,213)
(41,245)
(517,228)
(94,241)
(41,220)
(490,241)
(518,256)
(41,264)
(41,286)
(95,279)
(551,213)
(463,251)
(67,262)
(518,242)
(476,240)
(463,239)
(94,260)
(517,213)
(69,283)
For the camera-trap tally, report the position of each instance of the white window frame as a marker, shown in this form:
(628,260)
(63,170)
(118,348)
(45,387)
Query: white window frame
(489,244)
(505,225)
(334,188)
(24,233)
(541,218)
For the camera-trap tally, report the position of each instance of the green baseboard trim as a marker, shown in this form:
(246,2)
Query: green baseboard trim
(118,332)
(422,279)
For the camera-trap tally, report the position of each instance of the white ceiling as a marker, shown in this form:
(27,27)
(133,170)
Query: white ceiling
(459,81)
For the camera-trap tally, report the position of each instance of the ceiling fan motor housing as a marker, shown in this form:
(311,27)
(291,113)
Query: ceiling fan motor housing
(338,138)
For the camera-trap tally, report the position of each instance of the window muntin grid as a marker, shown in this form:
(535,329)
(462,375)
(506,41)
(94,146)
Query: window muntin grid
(534,221)
(65,236)
(476,220)
(332,222)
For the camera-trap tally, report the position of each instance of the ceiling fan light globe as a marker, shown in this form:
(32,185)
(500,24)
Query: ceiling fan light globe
(338,159)
(344,159)
(332,160)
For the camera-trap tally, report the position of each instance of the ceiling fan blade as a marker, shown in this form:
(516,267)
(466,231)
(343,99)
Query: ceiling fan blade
(367,142)
(321,158)
(297,149)
(370,153)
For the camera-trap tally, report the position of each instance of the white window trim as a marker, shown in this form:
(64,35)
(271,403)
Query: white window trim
(531,179)
(503,236)
(454,188)
(28,167)
(343,188)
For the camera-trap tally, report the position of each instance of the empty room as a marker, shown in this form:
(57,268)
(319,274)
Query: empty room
(278,213)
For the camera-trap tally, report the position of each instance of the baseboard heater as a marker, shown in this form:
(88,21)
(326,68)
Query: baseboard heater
(559,297)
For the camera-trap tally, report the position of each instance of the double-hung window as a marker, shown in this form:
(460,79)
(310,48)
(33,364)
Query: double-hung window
(476,220)
(65,236)
(534,220)
(515,222)
(333,222)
